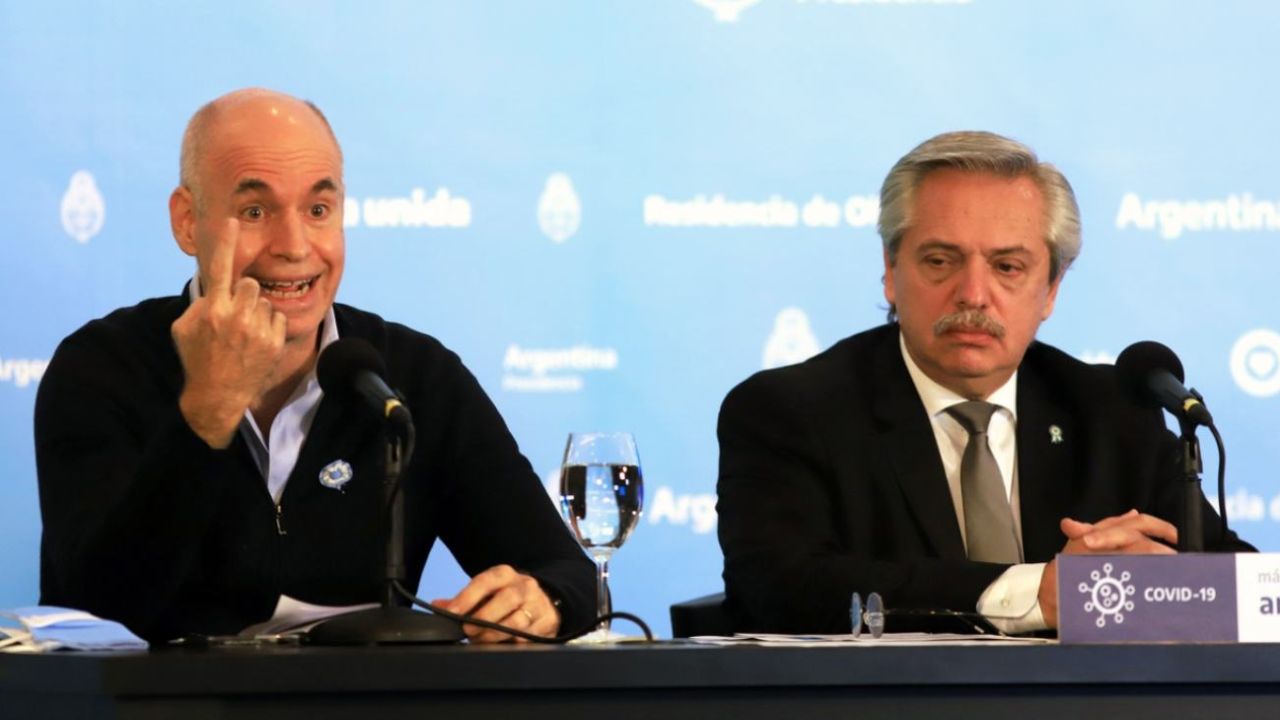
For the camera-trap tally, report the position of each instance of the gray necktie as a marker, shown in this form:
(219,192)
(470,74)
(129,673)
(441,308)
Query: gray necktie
(988,521)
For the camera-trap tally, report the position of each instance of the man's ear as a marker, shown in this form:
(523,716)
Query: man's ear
(1051,298)
(182,219)
(887,279)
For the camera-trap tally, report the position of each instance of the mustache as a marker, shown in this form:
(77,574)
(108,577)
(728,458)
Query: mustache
(969,320)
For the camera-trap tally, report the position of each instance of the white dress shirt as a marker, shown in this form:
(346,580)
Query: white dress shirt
(1011,603)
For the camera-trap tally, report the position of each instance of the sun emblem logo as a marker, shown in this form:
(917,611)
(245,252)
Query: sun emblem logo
(559,208)
(1109,595)
(791,341)
(83,209)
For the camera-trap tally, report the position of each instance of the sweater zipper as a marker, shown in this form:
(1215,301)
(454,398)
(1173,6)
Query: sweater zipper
(280,520)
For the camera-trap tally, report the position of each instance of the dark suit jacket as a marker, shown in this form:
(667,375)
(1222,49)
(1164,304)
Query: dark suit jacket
(146,524)
(831,482)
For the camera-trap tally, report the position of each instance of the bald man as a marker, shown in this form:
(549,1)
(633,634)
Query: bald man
(193,476)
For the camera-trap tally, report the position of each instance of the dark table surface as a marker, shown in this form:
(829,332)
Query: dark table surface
(669,679)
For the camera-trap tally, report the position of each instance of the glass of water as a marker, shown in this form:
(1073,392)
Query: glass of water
(601,496)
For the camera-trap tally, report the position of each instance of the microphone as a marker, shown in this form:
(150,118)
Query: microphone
(1152,375)
(350,367)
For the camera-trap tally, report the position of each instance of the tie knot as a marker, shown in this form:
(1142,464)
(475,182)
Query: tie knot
(973,415)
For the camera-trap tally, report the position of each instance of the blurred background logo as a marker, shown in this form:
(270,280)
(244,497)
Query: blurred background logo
(1255,362)
(791,341)
(559,210)
(83,210)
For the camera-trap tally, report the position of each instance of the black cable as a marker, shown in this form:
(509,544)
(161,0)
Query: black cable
(557,640)
(1222,480)
(406,456)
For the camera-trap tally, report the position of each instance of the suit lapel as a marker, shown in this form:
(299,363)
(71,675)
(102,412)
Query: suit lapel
(913,452)
(1047,437)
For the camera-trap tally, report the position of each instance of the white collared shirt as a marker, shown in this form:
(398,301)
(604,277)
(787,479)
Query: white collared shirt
(1011,603)
(277,455)
(952,438)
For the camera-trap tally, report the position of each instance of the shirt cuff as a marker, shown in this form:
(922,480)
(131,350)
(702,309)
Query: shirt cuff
(1012,602)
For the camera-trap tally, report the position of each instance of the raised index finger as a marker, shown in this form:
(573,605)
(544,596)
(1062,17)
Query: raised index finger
(222,260)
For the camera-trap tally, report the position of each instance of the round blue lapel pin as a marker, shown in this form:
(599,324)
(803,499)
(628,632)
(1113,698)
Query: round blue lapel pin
(336,474)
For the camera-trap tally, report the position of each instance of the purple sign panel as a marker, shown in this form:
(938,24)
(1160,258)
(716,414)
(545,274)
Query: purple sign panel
(1147,598)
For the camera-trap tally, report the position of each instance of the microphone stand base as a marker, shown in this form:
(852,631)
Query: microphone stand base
(385,625)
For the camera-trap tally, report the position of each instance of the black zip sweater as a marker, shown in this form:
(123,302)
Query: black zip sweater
(146,524)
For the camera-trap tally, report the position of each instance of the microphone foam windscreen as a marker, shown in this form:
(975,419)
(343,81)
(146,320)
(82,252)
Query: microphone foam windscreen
(1136,364)
(340,361)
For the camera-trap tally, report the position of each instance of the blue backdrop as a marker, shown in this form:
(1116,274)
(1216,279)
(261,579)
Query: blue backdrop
(615,211)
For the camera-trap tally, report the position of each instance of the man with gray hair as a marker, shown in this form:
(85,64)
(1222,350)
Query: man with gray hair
(943,459)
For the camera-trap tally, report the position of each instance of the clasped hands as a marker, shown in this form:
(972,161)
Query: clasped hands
(1132,533)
